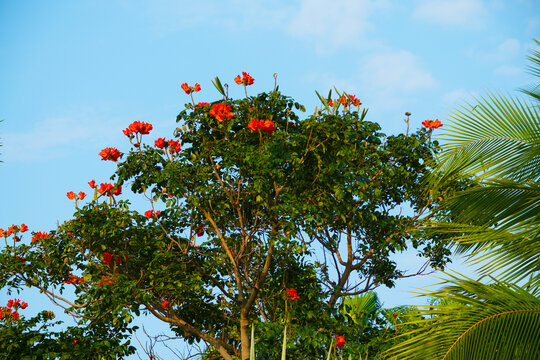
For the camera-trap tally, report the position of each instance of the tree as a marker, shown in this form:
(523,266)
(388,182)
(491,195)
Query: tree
(496,224)
(247,192)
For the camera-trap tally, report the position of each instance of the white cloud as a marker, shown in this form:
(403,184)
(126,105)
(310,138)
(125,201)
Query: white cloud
(459,96)
(508,47)
(332,25)
(58,137)
(509,70)
(463,13)
(396,72)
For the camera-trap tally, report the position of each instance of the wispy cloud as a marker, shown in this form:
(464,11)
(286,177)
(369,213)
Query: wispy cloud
(506,70)
(459,96)
(332,25)
(462,13)
(396,72)
(59,137)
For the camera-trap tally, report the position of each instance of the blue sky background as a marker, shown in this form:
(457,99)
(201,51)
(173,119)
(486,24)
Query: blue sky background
(73,74)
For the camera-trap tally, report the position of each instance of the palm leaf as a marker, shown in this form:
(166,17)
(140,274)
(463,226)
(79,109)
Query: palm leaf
(474,323)
(497,137)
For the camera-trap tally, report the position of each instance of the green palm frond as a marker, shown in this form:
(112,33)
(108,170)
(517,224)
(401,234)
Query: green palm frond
(474,323)
(494,250)
(497,137)
(500,203)
(534,69)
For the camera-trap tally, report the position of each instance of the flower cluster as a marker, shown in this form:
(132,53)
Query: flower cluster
(74,279)
(40,236)
(71,195)
(221,112)
(246,79)
(13,229)
(190,89)
(11,309)
(107,280)
(173,145)
(293,294)
(138,127)
(346,100)
(264,125)
(165,304)
(110,153)
(110,189)
(340,341)
(150,213)
(432,124)
(203,104)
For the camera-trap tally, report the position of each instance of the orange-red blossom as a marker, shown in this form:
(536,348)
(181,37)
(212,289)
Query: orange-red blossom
(265,125)
(221,112)
(340,341)
(246,79)
(140,127)
(432,124)
(190,89)
(110,153)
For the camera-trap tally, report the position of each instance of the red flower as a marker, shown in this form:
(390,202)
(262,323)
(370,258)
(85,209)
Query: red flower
(165,304)
(104,188)
(268,126)
(71,195)
(160,143)
(190,89)
(75,342)
(110,154)
(92,184)
(15,315)
(106,280)
(13,229)
(221,112)
(340,341)
(254,125)
(151,213)
(432,124)
(331,102)
(246,79)
(81,195)
(74,279)
(39,235)
(200,232)
(1,314)
(265,125)
(344,100)
(2,233)
(117,190)
(107,258)
(24,228)
(174,146)
(24,305)
(10,303)
(201,104)
(138,127)
(355,101)
(436,124)
(293,294)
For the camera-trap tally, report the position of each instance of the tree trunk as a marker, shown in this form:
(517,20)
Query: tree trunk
(244,338)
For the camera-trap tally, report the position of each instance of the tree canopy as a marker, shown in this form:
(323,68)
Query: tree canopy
(255,216)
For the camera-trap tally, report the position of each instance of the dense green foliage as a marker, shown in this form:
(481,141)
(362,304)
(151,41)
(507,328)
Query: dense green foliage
(246,213)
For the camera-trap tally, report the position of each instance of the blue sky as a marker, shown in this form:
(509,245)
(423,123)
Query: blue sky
(73,74)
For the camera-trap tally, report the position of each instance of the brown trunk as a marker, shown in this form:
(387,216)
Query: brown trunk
(244,338)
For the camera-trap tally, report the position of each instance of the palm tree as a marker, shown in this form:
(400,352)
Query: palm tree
(495,223)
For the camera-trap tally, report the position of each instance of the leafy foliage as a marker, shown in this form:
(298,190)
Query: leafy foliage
(241,201)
